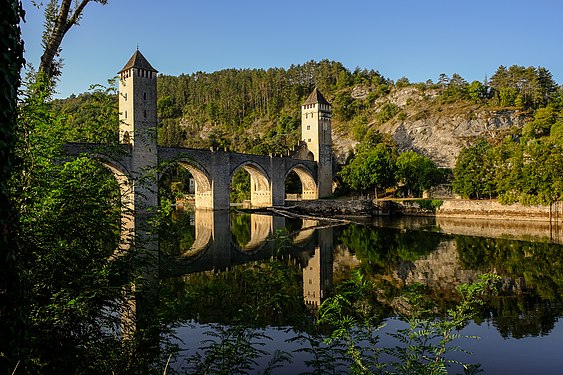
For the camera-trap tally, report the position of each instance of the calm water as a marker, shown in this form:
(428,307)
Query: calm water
(272,273)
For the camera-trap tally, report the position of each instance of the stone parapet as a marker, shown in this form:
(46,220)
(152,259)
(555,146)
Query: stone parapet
(492,209)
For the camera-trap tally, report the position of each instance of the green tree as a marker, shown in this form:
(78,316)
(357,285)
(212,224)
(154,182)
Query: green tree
(457,89)
(544,119)
(416,172)
(373,168)
(525,87)
(477,91)
(387,112)
(474,172)
(72,282)
(240,186)
(402,82)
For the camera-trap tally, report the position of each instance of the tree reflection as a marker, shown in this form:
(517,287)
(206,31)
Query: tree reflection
(177,233)
(380,249)
(532,282)
(240,229)
(260,294)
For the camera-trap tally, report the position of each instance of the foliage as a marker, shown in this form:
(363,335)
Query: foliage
(174,183)
(525,87)
(240,186)
(387,112)
(474,172)
(59,19)
(416,172)
(540,126)
(256,110)
(73,278)
(92,116)
(524,168)
(456,89)
(234,350)
(376,165)
(372,168)
(325,358)
(423,346)
(11,61)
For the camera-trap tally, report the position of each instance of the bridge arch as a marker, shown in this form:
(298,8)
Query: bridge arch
(202,178)
(260,191)
(308,182)
(125,182)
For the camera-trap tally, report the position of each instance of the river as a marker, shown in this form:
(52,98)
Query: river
(270,274)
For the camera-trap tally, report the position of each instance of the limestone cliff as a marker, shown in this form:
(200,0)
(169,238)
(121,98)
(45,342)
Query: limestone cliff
(423,124)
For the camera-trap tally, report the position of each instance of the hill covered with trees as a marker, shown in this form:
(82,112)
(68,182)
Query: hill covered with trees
(258,111)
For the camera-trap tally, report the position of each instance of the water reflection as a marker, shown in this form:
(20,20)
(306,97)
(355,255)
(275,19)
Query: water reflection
(400,252)
(272,271)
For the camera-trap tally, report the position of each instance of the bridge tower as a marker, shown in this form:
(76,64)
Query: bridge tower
(316,128)
(137,128)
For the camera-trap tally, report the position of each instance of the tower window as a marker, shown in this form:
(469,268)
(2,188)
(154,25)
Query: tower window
(308,127)
(125,114)
(312,115)
(145,96)
(306,115)
(145,113)
(125,96)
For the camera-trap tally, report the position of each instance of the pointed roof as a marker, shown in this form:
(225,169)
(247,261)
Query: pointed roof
(138,61)
(316,97)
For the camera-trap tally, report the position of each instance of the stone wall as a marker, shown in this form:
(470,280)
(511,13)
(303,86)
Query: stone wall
(453,208)
(492,209)
(334,207)
(529,230)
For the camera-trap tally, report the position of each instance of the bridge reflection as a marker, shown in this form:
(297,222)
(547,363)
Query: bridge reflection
(218,247)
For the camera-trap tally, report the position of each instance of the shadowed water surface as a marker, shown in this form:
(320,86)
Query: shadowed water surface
(272,273)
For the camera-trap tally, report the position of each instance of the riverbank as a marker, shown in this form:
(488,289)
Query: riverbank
(450,208)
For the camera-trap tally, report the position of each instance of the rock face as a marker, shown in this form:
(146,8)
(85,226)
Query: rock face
(439,270)
(440,131)
(441,137)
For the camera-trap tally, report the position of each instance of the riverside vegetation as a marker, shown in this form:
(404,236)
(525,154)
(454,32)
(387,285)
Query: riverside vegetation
(60,221)
(258,111)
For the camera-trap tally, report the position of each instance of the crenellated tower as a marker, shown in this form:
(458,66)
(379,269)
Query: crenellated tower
(138,127)
(137,102)
(316,132)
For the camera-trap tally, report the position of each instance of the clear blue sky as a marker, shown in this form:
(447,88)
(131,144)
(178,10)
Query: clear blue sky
(417,39)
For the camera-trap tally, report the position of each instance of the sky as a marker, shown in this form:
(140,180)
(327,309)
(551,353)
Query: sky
(417,39)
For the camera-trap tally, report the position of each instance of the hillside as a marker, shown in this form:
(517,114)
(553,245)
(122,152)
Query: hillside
(258,110)
(437,130)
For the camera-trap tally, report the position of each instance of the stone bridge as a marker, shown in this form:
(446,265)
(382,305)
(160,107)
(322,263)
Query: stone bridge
(137,161)
(214,249)
(213,171)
